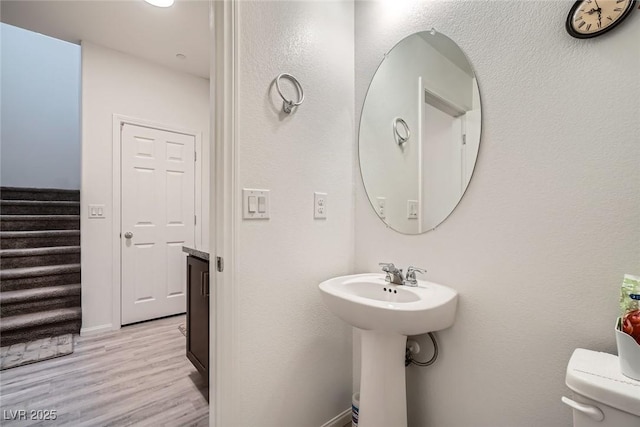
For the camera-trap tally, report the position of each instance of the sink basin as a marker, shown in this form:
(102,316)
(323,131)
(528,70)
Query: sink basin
(386,314)
(367,302)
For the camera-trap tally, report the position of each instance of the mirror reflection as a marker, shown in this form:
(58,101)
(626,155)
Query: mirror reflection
(419,132)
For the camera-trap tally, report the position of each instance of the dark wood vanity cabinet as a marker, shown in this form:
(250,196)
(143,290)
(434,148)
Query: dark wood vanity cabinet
(198,314)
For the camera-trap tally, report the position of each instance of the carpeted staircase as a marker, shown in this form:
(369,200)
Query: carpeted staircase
(39,264)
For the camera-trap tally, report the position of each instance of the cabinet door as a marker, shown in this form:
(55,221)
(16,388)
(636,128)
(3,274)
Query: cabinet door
(198,314)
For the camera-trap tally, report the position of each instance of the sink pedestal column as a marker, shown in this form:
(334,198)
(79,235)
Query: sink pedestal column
(383,395)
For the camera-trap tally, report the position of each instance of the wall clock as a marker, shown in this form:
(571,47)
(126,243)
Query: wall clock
(591,18)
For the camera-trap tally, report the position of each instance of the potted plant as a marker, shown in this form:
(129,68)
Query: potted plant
(628,327)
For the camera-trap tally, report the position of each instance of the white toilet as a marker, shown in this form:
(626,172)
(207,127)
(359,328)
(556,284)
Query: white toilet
(602,397)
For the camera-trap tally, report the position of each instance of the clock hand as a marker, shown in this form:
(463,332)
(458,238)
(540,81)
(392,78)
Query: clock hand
(599,10)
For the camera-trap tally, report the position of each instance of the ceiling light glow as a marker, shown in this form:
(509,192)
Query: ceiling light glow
(161,3)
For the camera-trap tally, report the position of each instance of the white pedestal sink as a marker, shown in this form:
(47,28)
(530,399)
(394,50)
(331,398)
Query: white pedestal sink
(386,315)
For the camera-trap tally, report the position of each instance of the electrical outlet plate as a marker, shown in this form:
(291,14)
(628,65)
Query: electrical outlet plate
(319,205)
(412,209)
(381,207)
(255,204)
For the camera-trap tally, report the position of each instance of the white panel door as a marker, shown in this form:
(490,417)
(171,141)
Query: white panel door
(158,209)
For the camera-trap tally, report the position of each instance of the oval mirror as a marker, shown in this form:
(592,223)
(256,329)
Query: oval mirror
(419,132)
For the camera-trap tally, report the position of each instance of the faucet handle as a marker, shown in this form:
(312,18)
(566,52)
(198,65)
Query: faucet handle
(387,266)
(411,274)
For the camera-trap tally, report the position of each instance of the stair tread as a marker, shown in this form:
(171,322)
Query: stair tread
(28,193)
(47,270)
(39,217)
(18,202)
(48,317)
(40,190)
(51,250)
(22,295)
(38,233)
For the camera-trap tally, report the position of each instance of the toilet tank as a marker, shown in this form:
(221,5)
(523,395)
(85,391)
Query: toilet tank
(602,396)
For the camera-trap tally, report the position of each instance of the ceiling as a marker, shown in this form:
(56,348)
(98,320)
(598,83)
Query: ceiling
(129,26)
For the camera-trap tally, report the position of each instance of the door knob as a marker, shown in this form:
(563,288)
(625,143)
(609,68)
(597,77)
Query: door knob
(128,235)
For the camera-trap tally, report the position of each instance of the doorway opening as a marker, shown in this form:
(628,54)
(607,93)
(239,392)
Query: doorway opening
(151,86)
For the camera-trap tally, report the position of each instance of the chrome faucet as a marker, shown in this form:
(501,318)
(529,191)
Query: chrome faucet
(394,275)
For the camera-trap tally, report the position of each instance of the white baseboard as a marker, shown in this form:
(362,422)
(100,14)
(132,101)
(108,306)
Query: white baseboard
(340,420)
(96,330)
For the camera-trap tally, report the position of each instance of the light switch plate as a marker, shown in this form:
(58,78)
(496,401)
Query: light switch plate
(97,211)
(319,205)
(381,207)
(412,209)
(259,206)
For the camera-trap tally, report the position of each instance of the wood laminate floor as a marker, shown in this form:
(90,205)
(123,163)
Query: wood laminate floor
(137,376)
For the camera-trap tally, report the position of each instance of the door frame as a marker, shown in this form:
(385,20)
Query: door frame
(225,207)
(120,120)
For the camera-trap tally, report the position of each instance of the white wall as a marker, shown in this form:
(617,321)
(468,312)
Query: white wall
(294,356)
(538,245)
(40,118)
(116,83)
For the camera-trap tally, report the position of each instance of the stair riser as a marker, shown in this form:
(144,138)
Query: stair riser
(37,225)
(39,260)
(39,210)
(25,194)
(30,334)
(39,305)
(39,242)
(39,281)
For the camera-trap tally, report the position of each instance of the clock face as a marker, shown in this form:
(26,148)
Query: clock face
(589,18)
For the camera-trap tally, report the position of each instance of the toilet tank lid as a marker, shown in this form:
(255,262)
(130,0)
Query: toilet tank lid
(597,376)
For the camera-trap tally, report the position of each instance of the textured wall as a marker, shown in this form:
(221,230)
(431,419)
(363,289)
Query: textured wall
(294,356)
(40,118)
(538,246)
(116,83)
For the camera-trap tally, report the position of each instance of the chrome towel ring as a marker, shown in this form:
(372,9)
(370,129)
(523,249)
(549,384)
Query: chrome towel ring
(287,105)
(399,138)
